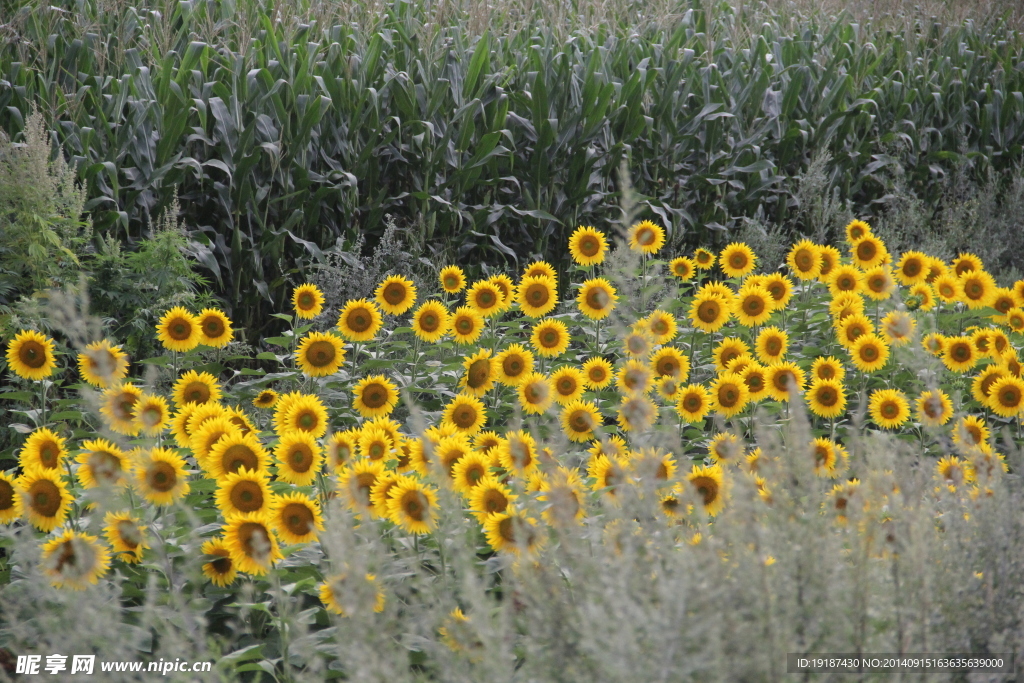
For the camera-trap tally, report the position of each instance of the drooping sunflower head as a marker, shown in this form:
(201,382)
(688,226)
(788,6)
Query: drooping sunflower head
(74,560)
(359,320)
(178,330)
(396,294)
(30,355)
(102,364)
(587,246)
(431,321)
(320,354)
(308,301)
(646,237)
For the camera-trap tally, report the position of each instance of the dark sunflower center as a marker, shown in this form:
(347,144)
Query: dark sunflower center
(869,353)
(549,339)
(464,325)
(377,450)
(48,453)
(320,354)
(104,466)
(359,320)
(129,534)
(668,366)
(728,395)
(581,421)
(645,236)
(123,404)
(597,374)
(45,498)
(738,260)
(464,417)
(912,268)
(479,373)
(6,495)
(414,505)
(773,346)
(961,352)
(213,327)
(375,395)
(537,295)
(933,407)
(753,305)
(247,496)
(306,421)
(804,260)
(486,299)
(451,281)
(255,540)
(827,397)
(238,456)
(162,477)
(1010,397)
(708,311)
(429,322)
(196,392)
(495,501)
(597,298)
(221,566)
(395,293)
(306,300)
(866,250)
(692,403)
(179,329)
(32,354)
(512,365)
(589,246)
(707,488)
(298,518)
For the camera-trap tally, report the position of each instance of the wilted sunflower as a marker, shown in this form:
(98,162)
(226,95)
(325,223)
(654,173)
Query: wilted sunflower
(152,414)
(296,518)
(101,463)
(826,398)
(598,371)
(683,268)
(118,407)
(550,337)
(514,532)
(74,560)
(374,396)
(754,305)
(431,321)
(889,408)
(235,452)
(126,536)
(319,354)
(178,330)
(251,544)
(161,477)
(668,361)
(486,298)
(537,296)
(243,491)
(694,403)
(960,354)
(11,507)
(869,352)
(597,298)
(709,312)
(481,371)
(308,301)
(265,399)
(587,246)
(467,413)
(646,237)
(513,364)
(214,328)
(220,569)
(298,458)
(359,320)
(396,294)
(708,483)
(729,394)
(340,595)
(580,419)
(466,325)
(30,355)
(45,498)
(737,259)
(452,279)
(412,505)
(934,408)
(804,260)
(102,364)
(43,449)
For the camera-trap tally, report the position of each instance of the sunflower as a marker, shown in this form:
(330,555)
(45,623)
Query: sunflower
(308,301)
(43,449)
(535,393)
(357,481)
(568,383)
(580,419)
(359,320)
(514,532)
(780,287)
(537,296)
(74,560)
(869,352)
(390,427)
(481,371)
(754,305)
(737,259)
(1007,396)
(30,355)
(704,259)
(608,473)
(824,451)
(161,477)
(452,279)
(934,408)
(728,350)
(857,229)
(1003,300)
(771,344)
(694,403)
(912,268)
(636,413)
(550,337)
(299,458)
(470,470)
(784,379)
(668,361)
(126,536)
(564,494)
(466,325)
(725,447)
(265,399)
(11,507)
(830,259)
(868,252)
(152,414)
(195,387)
(826,398)
(922,296)
(710,312)
(242,492)
(221,571)
(214,328)
(948,288)
(431,321)
(540,269)
(827,368)
(682,267)
(646,237)
(960,354)
(637,343)
(598,372)
(966,263)
(708,483)
(755,376)
(103,364)
(596,298)
(341,595)
(296,518)
(729,394)
(178,330)
(374,396)
(251,544)
(898,327)
(489,496)
(889,408)
(307,413)
(341,448)
(45,498)
(804,260)
(412,505)
(506,287)
(978,289)
(970,431)
(852,327)
(319,354)
(518,453)
(486,441)
(486,298)
(206,436)
(395,295)
(235,452)
(846,278)
(467,413)
(1015,319)
(118,407)
(101,463)
(879,283)
(981,386)
(634,378)
(953,471)
(511,365)
(587,246)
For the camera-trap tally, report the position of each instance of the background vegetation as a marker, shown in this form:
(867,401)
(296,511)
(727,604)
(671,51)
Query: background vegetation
(490,131)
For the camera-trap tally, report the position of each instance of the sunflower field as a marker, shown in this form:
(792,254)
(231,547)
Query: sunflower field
(693,464)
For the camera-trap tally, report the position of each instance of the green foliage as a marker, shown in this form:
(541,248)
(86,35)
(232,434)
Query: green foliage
(287,131)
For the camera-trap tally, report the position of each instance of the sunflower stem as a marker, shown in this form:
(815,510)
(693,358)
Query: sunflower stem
(42,403)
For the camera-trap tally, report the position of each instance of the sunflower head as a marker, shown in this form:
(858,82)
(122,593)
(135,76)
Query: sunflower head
(308,301)
(646,237)
(374,396)
(74,560)
(597,298)
(737,259)
(431,321)
(30,355)
(396,294)
(320,354)
(359,320)
(102,364)
(452,279)
(214,328)
(178,330)
(550,338)
(587,246)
